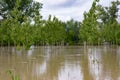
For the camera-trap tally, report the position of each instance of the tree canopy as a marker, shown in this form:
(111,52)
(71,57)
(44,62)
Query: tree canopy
(27,8)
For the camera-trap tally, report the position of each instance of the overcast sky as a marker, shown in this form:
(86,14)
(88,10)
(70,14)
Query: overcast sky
(67,9)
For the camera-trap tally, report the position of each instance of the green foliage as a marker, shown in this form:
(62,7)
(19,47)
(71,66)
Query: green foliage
(100,24)
(72,31)
(15,33)
(53,31)
(27,8)
(89,30)
(110,26)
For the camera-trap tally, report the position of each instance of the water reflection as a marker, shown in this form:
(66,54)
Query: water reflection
(94,59)
(62,63)
(70,72)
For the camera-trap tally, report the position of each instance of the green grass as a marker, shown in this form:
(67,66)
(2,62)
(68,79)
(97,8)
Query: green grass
(12,75)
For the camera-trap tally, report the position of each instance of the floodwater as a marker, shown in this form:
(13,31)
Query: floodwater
(61,63)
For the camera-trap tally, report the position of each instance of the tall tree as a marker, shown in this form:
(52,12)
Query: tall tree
(89,30)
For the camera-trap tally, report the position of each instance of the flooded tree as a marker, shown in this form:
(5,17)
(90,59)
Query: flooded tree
(100,24)
(89,27)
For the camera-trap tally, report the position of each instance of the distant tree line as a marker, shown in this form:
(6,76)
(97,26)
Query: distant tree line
(22,25)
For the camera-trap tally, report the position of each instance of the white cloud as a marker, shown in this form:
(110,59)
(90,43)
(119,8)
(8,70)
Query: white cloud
(66,13)
(106,2)
(68,9)
(54,2)
(1,17)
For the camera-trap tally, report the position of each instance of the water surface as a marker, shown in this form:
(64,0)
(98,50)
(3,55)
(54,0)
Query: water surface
(61,63)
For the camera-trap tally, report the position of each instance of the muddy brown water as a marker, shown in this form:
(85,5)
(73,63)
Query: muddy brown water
(61,63)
